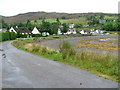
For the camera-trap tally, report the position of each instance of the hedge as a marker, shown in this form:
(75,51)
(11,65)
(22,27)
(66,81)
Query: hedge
(24,36)
(4,36)
(36,35)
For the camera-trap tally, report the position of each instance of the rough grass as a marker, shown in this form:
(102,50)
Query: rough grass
(81,20)
(104,65)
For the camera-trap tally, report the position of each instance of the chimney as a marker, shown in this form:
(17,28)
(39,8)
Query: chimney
(16,26)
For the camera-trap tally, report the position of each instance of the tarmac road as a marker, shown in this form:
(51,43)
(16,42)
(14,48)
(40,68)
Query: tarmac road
(21,69)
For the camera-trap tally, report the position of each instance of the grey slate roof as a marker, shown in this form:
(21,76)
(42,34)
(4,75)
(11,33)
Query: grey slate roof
(22,30)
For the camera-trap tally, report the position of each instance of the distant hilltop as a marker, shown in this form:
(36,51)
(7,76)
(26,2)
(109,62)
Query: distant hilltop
(39,15)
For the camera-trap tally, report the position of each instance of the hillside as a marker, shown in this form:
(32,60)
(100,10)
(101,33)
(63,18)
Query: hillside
(37,15)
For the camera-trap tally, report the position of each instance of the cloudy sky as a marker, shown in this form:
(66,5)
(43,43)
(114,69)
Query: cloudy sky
(14,7)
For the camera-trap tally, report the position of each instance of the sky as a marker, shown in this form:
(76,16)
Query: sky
(14,7)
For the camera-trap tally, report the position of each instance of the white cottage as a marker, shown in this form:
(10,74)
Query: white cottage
(22,30)
(35,31)
(45,34)
(83,32)
(12,30)
(59,32)
(85,25)
(102,21)
(71,25)
(71,31)
(98,31)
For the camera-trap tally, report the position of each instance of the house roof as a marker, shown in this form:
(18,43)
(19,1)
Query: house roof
(22,30)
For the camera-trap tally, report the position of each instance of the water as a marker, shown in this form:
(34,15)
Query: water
(105,41)
(108,39)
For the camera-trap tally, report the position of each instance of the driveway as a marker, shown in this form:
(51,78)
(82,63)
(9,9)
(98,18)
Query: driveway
(21,69)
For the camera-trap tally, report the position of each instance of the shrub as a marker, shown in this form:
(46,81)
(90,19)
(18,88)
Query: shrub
(67,50)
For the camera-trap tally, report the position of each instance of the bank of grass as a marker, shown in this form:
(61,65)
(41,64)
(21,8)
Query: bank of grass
(104,65)
(53,37)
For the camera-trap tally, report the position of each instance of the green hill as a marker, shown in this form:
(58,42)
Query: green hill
(71,17)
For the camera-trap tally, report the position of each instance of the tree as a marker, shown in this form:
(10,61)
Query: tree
(30,26)
(20,25)
(102,16)
(63,17)
(45,27)
(93,21)
(111,27)
(35,21)
(91,17)
(40,18)
(65,28)
(54,28)
(58,21)
(28,21)
(4,25)
(78,26)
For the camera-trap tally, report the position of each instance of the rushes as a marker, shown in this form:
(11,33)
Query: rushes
(66,50)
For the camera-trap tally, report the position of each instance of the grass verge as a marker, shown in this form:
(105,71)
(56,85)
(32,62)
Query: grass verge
(104,65)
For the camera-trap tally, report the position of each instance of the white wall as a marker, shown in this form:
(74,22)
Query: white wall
(59,32)
(12,30)
(35,31)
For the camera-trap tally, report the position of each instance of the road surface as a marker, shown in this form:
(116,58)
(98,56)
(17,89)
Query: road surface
(21,69)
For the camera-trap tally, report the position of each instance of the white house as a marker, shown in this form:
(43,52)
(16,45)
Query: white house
(102,21)
(98,31)
(102,31)
(71,25)
(60,26)
(59,32)
(85,25)
(12,30)
(71,31)
(22,30)
(83,32)
(35,31)
(91,30)
(45,34)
